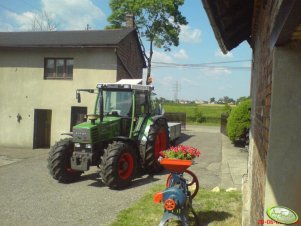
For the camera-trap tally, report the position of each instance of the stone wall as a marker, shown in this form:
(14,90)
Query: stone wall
(261,90)
(283,181)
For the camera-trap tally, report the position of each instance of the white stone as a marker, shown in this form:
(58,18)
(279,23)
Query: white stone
(216,189)
(231,189)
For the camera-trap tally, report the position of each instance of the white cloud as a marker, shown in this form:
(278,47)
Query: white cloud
(190,35)
(22,21)
(190,82)
(165,81)
(219,53)
(75,14)
(67,14)
(217,70)
(215,73)
(162,57)
(181,54)
(225,87)
(166,57)
(247,64)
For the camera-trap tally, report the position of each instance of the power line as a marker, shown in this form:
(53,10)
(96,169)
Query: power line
(208,65)
(200,64)
(204,67)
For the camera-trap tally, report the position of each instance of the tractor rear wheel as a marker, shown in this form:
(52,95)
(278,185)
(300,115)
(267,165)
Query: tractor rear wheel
(118,165)
(157,141)
(59,164)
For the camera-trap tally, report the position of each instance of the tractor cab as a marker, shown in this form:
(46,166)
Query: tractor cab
(127,100)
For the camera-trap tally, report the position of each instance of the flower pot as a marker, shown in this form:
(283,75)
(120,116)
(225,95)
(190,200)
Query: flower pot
(176,165)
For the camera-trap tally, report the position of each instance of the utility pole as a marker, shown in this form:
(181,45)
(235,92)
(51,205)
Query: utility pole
(88,27)
(176,89)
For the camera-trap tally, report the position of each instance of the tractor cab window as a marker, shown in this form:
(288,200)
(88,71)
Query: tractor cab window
(140,104)
(157,108)
(117,103)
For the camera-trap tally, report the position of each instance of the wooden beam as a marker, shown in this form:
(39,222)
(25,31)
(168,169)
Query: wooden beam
(286,22)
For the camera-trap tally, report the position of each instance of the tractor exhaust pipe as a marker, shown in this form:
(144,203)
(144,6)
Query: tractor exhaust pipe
(101,105)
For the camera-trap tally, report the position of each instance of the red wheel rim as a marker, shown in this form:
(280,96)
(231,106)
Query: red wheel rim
(125,166)
(194,181)
(160,144)
(168,180)
(170,204)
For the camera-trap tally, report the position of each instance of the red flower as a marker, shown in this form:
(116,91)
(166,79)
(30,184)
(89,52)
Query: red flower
(181,152)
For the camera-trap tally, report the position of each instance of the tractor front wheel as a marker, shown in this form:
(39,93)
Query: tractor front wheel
(118,165)
(59,164)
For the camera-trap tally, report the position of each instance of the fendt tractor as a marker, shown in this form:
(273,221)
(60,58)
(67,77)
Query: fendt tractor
(126,133)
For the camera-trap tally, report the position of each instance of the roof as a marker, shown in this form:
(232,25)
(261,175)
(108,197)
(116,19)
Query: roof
(231,21)
(90,38)
(126,84)
(130,81)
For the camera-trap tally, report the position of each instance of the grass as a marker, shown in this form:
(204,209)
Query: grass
(222,208)
(211,112)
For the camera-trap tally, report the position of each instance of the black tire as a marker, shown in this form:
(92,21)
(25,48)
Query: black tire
(158,133)
(118,165)
(59,164)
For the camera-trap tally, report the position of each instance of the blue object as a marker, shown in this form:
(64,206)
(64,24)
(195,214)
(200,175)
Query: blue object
(177,200)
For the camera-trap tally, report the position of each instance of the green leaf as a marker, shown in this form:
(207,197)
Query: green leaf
(158,21)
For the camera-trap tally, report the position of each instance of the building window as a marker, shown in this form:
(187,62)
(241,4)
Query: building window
(58,68)
(78,115)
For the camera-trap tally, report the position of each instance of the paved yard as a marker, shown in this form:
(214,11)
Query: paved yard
(29,196)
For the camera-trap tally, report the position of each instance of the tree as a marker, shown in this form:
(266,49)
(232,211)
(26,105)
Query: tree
(212,100)
(43,22)
(239,120)
(226,99)
(158,21)
(220,101)
(227,109)
(240,99)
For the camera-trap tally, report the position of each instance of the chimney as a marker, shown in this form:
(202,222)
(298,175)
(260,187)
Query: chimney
(129,21)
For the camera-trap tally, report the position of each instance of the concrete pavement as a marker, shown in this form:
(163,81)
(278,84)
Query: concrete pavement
(234,164)
(29,196)
(225,168)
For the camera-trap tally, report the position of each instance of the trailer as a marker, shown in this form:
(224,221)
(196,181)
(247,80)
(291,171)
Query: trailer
(174,131)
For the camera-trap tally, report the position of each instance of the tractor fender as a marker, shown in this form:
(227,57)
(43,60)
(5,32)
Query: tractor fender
(158,117)
(128,140)
(148,123)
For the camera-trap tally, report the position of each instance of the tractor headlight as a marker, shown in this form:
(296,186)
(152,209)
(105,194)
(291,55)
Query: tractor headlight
(77,145)
(89,146)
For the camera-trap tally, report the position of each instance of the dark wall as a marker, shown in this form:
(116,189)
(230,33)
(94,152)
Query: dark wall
(130,60)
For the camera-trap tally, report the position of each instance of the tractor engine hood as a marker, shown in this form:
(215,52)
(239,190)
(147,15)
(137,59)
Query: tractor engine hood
(88,132)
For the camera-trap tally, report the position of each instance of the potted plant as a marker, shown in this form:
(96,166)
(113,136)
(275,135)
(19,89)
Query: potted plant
(178,158)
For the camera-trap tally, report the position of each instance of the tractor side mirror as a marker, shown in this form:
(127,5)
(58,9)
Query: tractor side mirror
(78,97)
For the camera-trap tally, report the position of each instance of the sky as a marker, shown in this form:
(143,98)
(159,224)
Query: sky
(171,77)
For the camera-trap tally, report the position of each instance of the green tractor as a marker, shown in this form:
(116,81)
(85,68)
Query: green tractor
(125,134)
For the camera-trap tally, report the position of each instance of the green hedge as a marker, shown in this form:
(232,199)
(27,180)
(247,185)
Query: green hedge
(239,120)
(204,119)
